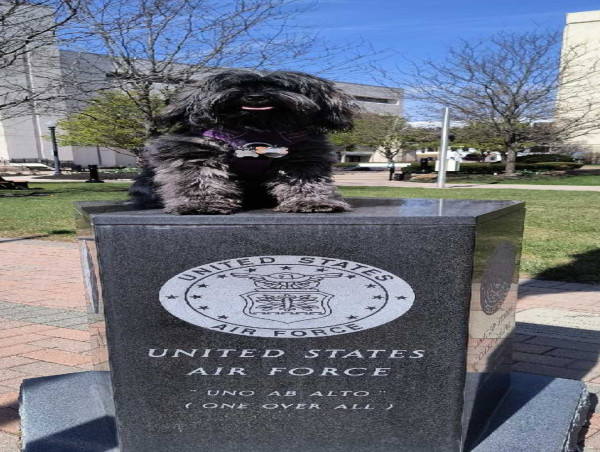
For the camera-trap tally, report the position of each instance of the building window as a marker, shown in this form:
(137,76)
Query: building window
(375,100)
(353,158)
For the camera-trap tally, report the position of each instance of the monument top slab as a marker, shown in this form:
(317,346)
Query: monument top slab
(386,210)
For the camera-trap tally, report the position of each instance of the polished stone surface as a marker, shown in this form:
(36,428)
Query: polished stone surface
(427,288)
(539,414)
(366,210)
(492,309)
(68,413)
(92,280)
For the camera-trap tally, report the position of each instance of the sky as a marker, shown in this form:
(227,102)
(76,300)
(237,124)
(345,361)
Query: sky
(427,27)
(416,29)
(401,30)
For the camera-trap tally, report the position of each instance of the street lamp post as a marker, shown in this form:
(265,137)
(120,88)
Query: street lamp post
(52,128)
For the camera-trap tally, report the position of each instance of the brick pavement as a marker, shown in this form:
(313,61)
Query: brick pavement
(558,334)
(43,329)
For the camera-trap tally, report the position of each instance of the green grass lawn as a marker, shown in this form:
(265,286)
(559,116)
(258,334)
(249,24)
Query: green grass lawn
(562,232)
(556,180)
(51,216)
(587,180)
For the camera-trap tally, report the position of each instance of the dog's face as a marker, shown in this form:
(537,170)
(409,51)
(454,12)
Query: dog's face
(274,101)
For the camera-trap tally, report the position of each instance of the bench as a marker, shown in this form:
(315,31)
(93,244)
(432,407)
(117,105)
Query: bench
(13,185)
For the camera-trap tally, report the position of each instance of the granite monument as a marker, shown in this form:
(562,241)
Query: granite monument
(387,328)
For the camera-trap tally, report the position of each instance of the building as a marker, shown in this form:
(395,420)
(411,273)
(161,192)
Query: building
(582,34)
(24,138)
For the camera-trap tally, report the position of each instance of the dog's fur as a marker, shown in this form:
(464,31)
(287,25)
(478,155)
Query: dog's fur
(188,173)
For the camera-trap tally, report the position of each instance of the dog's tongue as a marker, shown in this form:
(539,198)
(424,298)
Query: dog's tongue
(245,107)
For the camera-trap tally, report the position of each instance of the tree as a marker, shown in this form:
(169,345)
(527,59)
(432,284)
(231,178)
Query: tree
(162,46)
(508,84)
(479,136)
(26,31)
(111,120)
(368,131)
(400,138)
(387,134)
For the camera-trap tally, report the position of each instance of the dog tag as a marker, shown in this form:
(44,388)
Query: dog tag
(261,149)
(241,153)
(273,153)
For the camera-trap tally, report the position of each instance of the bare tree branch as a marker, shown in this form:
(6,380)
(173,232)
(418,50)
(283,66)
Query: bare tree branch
(26,30)
(509,84)
(161,46)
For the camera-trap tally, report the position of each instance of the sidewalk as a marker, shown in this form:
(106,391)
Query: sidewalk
(43,325)
(380,179)
(43,328)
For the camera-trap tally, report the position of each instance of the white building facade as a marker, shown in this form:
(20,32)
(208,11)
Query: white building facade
(25,137)
(582,35)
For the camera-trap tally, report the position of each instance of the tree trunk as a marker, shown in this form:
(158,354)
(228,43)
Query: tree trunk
(511,158)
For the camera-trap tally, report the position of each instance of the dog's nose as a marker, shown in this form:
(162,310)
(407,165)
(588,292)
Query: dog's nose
(256,97)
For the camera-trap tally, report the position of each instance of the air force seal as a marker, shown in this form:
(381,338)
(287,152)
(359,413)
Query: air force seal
(286,296)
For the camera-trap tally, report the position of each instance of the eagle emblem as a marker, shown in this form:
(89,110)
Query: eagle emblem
(287,297)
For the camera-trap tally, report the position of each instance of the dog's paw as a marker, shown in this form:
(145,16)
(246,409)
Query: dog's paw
(221,208)
(314,206)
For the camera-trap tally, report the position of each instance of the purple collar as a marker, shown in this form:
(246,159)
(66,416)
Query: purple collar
(238,138)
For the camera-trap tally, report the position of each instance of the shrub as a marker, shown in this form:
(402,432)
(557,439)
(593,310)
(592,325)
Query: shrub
(549,166)
(491,168)
(544,158)
(416,167)
(481,168)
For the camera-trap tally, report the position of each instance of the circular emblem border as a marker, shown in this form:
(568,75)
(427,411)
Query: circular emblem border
(497,278)
(180,295)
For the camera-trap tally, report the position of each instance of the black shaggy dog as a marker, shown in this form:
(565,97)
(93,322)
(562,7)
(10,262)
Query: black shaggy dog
(247,139)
